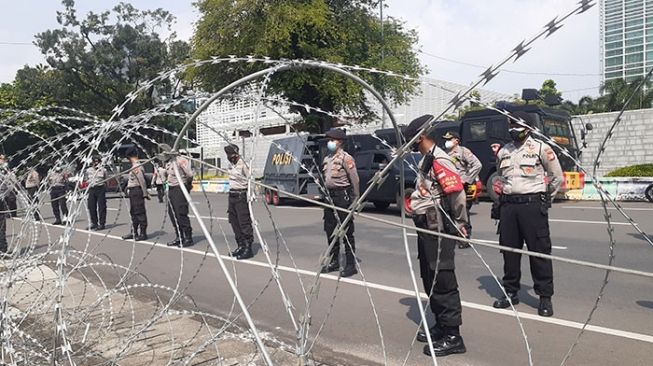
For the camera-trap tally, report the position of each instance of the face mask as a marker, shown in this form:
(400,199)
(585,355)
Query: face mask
(449,144)
(518,133)
(332,146)
(233,159)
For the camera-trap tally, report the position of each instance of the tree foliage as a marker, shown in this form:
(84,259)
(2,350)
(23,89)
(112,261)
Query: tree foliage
(615,94)
(338,31)
(99,58)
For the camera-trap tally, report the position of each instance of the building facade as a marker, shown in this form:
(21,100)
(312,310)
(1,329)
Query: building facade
(626,38)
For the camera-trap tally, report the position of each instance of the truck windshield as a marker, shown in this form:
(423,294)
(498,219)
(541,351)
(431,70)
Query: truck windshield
(558,131)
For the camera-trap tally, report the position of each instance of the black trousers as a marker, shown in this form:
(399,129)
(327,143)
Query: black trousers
(137,207)
(97,205)
(159,192)
(240,219)
(31,193)
(526,222)
(178,211)
(3,226)
(444,296)
(12,204)
(468,226)
(341,198)
(58,198)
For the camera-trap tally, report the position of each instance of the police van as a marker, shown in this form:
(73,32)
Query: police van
(481,130)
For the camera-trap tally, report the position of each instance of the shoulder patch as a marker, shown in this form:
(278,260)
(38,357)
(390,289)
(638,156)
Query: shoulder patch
(550,154)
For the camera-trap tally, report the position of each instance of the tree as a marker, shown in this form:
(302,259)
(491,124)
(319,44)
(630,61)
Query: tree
(338,31)
(549,90)
(102,57)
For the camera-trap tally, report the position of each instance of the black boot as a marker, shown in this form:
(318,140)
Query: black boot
(350,266)
(332,266)
(246,253)
(436,333)
(187,239)
(133,234)
(447,345)
(546,307)
(238,250)
(174,243)
(503,303)
(143,234)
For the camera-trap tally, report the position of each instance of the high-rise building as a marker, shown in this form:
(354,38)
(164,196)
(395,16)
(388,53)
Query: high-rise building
(626,38)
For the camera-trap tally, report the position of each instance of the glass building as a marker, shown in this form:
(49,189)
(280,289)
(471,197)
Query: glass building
(626,38)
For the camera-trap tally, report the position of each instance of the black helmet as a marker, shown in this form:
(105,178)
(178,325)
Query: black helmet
(416,125)
(336,134)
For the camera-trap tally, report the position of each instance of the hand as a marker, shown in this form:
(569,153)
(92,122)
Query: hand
(147,197)
(497,186)
(463,230)
(495,148)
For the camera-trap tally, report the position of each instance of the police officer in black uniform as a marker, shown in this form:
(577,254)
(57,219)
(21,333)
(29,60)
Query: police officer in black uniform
(137,192)
(530,175)
(438,204)
(96,177)
(342,182)
(5,187)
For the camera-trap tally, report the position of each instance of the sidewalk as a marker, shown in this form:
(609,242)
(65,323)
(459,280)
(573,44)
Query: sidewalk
(102,325)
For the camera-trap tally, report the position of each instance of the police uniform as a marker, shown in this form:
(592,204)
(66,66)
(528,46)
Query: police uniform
(238,208)
(468,167)
(96,177)
(428,204)
(58,181)
(158,180)
(10,196)
(5,188)
(530,174)
(32,187)
(137,192)
(342,184)
(177,204)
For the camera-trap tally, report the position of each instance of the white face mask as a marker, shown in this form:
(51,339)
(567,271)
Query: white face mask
(332,146)
(449,144)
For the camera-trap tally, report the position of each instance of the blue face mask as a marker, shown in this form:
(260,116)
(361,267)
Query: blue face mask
(332,146)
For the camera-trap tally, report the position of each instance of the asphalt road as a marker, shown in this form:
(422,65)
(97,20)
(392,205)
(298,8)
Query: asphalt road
(622,327)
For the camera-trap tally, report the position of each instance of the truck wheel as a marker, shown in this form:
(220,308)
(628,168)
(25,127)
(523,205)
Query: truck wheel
(268,196)
(379,205)
(649,193)
(276,200)
(489,184)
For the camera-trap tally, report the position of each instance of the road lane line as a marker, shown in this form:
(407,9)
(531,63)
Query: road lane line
(555,321)
(210,217)
(609,208)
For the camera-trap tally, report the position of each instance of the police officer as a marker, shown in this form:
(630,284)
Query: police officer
(342,183)
(239,214)
(530,176)
(58,180)
(32,187)
(177,204)
(159,179)
(12,185)
(468,167)
(137,192)
(435,195)
(96,177)
(5,188)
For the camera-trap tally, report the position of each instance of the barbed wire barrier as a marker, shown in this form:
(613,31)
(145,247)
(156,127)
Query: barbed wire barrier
(91,297)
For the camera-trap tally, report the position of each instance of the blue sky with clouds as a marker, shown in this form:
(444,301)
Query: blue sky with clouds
(479,32)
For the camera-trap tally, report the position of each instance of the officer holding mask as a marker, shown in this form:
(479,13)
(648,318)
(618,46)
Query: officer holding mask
(342,183)
(530,176)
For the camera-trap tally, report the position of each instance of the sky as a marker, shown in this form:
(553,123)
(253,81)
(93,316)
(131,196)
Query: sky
(453,35)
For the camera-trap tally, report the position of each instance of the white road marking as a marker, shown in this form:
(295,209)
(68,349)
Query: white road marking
(609,208)
(558,247)
(591,222)
(496,242)
(561,322)
(211,217)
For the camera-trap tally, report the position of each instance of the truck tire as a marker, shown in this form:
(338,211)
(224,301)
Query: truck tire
(268,196)
(380,205)
(276,200)
(489,184)
(649,193)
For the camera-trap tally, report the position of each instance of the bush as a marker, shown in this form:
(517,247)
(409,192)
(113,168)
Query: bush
(642,170)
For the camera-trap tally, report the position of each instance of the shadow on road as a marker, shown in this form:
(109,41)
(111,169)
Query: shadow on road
(490,286)
(639,236)
(413,310)
(645,304)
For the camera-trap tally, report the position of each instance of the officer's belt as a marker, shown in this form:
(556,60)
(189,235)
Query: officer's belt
(521,198)
(339,189)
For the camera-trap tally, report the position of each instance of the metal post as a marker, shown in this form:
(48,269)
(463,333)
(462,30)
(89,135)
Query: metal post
(202,163)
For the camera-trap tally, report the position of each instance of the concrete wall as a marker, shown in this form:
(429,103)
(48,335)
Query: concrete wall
(631,143)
